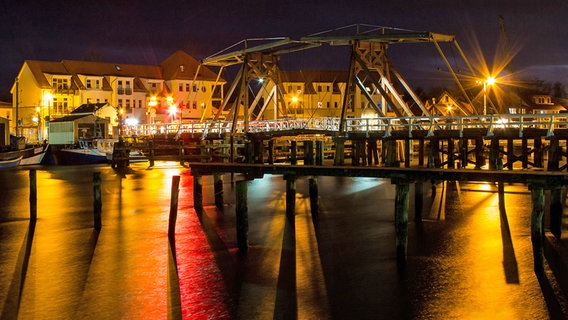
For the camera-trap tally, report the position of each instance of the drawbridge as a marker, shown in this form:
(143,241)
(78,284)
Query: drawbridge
(371,72)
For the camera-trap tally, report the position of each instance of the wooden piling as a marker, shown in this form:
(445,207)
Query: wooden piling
(198,194)
(401,220)
(271,151)
(418,200)
(173,208)
(152,153)
(98,204)
(308,152)
(421,152)
(314,196)
(556,211)
(339,156)
(242,215)
(33,195)
(553,155)
(290,196)
(537,230)
(407,152)
(218,187)
(319,152)
(451,154)
(293,152)
(479,157)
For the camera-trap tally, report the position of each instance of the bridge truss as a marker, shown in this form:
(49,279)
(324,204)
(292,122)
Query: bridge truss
(370,70)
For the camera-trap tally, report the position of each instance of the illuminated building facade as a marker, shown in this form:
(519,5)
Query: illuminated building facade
(176,90)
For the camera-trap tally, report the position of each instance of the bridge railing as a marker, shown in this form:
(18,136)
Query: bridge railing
(550,122)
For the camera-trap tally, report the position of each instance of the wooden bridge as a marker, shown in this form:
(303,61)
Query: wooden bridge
(537,181)
(476,141)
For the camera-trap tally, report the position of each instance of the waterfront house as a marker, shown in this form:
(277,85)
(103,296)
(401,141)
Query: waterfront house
(178,88)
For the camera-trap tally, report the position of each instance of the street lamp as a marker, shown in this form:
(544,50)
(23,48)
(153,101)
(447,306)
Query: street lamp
(489,81)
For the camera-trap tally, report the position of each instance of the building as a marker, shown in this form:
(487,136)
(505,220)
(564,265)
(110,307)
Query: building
(320,93)
(178,89)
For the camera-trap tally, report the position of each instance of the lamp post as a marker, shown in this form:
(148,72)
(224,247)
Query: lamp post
(489,81)
(38,118)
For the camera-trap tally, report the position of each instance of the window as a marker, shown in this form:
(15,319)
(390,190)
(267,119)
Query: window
(88,83)
(97,84)
(140,104)
(119,103)
(186,87)
(60,84)
(194,88)
(128,105)
(194,105)
(203,89)
(120,83)
(327,104)
(180,87)
(319,88)
(335,104)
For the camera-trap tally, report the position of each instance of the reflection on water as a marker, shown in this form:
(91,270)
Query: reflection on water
(474,264)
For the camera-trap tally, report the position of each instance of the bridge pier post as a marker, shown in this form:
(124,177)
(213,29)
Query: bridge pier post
(407,152)
(271,151)
(293,152)
(479,157)
(401,219)
(537,153)
(537,230)
(421,152)
(339,156)
(418,200)
(319,152)
(242,215)
(198,194)
(451,154)
(391,153)
(218,187)
(554,153)
(308,152)
(493,154)
(556,211)
(290,196)
(314,196)
(525,153)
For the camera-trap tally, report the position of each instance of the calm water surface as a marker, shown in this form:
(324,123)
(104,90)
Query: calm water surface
(465,261)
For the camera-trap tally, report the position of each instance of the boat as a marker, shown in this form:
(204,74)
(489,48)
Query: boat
(10,163)
(86,151)
(28,154)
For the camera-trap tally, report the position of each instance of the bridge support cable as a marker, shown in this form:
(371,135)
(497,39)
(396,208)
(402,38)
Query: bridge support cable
(454,75)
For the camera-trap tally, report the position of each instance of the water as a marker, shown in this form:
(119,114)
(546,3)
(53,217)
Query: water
(464,262)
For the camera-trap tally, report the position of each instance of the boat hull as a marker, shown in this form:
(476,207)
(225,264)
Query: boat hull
(81,156)
(28,156)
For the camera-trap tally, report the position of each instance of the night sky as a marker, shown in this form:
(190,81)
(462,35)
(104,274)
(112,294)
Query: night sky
(147,32)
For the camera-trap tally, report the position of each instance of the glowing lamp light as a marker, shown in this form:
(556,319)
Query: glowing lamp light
(173,109)
(294,99)
(153,102)
(490,81)
(131,121)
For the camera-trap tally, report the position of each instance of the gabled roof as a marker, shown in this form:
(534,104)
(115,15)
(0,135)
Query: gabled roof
(38,68)
(308,76)
(89,108)
(76,117)
(182,66)
(112,69)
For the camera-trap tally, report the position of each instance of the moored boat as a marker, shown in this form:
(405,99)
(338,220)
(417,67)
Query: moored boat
(10,163)
(29,154)
(86,151)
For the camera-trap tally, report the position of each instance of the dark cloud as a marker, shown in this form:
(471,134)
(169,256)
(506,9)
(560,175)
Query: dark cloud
(147,32)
